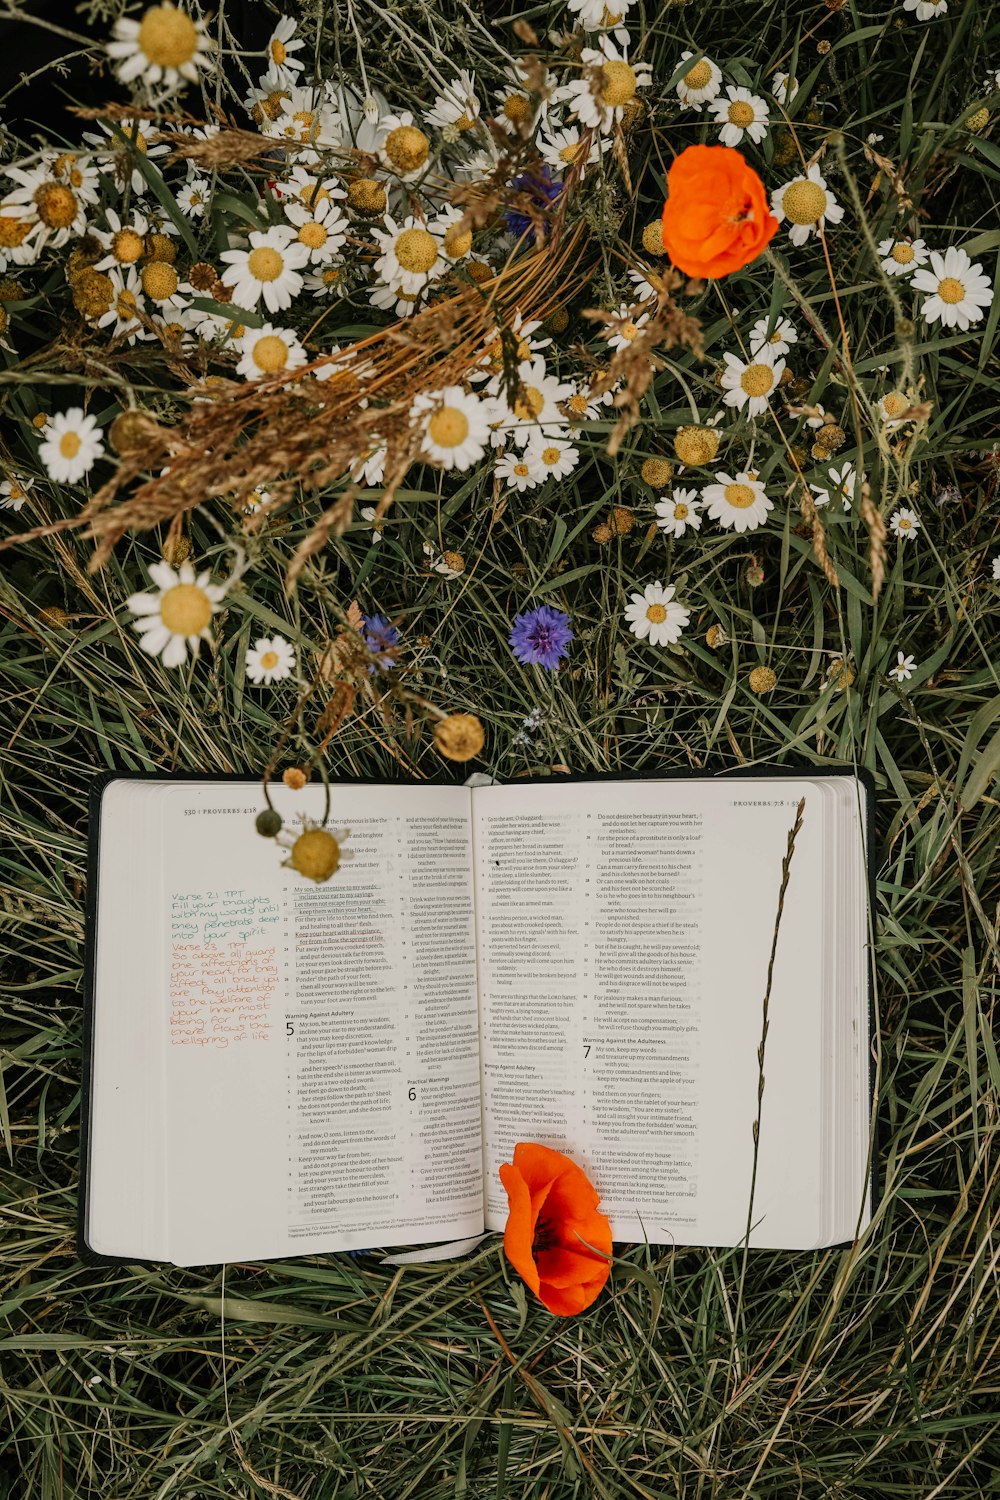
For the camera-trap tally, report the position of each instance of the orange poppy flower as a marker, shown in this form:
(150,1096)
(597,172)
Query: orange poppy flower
(716,218)
(552,1225)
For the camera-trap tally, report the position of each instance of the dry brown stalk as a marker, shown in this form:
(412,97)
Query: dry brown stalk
(876,535)
(811,516)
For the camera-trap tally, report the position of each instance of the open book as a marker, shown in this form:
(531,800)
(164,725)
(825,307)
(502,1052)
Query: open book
(276,1067)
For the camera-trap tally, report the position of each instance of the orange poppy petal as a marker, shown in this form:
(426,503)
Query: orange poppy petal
(570,1300)
(520,1230)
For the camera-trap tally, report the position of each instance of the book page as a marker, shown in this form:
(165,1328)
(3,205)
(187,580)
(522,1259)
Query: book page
(319,1041)
(624,933)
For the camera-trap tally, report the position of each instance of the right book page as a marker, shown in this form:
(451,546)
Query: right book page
(624,935)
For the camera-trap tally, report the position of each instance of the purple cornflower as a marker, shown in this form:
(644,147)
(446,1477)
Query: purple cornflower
(379,636)
(542,189)
(541,637)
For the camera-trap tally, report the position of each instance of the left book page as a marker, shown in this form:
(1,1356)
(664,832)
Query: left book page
(280,1067)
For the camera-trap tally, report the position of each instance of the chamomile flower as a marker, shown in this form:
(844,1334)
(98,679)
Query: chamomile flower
(626,328)
(269,351)
(280,62)
(521,471)
(958,289)
(655,615)
(178,615)
(457,105)
(820,418)
(597,15)
(307,120)
(556,457)
(403,148)
(842,482)
(269,269)
(609,83)
(377,523)
(54,209)
(322,229)
(680,513)
(127,302)
(71,446)
(449,564)
(645,291)
(17,246)
(783,87)
(778,339)
(271,659)
(808,205)
(903,670)
(567,148)
(740,113)
(370,467)
(308,186)
(14,492)
(521,340)
(583,405)
(891,408)
(700,83)
(737,501)
(454,425)
(167,295)
(752,383)
(412,255)
(166,47)
(193,197)
(904,524)
(454,233)
(330,281)
(535,406)
(124,242)
(123,143)
(395,300)
(927,10)
(900,257)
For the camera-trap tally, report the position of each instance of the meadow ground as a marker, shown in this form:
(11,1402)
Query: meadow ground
(862,1373)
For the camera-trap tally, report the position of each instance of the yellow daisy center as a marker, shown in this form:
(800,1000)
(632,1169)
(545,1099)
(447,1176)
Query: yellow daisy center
(270,353)
(269,106)
(457,242)
(950,290)
(56,205)
(572,153)
(125,304)
(167,36)
(465,121)
(69,445)
(366,196)
(903,524)
(127,246)
(416,250)
(628,331)
(516,108)
(161,247)
(159,281)
(448,428)
(656,614)
(13,232)
(330,276)
(313,235)
(740,496)
(265,263)
(407,148)
(741,114)
(530,404)
(269,660)
(699,76)
(522,471)
(894,403)
(551,456)
(578,404)
(619,83)
(902,254)
(680,511)
(278,52)
(804,202)
(185,609)
(757,380)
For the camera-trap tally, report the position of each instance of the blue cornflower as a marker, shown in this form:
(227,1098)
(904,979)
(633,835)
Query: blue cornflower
(541,637)
(378,635)
(543,189)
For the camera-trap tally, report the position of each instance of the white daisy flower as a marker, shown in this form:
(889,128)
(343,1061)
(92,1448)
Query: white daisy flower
(322,229)
(927,10)
(645,291)
(891,408)
(389,299)
(370,468)
(740,113)
(163,289)
(581,405)
(193,198)
(522,471)
(903,669)
(456,240)
(808,205)
(127,301)
(402,147)
(779,339)
(567,148)
(609,82)
(701,82)
(522,342)
(271,659)
(441,564)
(995,564)
(536,402)
(125,148)
(738,502)
(959,290)
(255,500)
(412,255)
(752,384)
(307,120)
(269,269)
(178,615)
(165,47)
(56,212)
(72,445)
(457,105)
(268,351)
(377,523)
(17,246)
(904,524)
(654,615)
(626,329)
(124,242)
(782,87)
(821,417)
(308,187)
(597,15)
(14,492)
(556,457)
(680,513)
(900,257)
(843,482)
(328,282)
(455,426)
(280,62)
